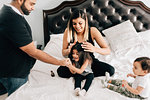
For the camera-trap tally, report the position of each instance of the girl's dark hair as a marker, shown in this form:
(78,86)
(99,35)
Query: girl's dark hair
(145,63)
(82,54)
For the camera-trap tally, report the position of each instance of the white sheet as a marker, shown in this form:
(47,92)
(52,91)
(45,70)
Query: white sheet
(41,86)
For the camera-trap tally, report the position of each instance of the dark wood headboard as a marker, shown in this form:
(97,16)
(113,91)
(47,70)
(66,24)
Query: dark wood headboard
(101,14)
(137,3)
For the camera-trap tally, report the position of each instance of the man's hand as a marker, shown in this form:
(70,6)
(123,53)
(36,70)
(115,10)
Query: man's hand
(65,62)
(69,63)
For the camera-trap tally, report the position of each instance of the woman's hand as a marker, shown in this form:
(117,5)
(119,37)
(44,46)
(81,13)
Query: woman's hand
(88,47)
(71,45)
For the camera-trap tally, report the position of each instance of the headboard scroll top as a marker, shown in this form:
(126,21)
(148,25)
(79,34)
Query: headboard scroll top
(101,14)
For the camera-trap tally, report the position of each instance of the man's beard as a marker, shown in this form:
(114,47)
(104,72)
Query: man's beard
(24,9)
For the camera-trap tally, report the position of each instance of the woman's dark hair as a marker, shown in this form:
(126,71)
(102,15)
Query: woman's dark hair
(77,13)
(145,63)
(82,54)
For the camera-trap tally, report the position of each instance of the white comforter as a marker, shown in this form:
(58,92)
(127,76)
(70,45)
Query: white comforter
(41,86)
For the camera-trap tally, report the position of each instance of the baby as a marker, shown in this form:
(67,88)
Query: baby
(140,88)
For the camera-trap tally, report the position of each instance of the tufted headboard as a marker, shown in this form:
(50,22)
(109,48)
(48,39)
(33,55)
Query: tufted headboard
(101,14)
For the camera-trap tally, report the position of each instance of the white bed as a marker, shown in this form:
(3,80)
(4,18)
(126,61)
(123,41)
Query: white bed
(125,49)
(42,86)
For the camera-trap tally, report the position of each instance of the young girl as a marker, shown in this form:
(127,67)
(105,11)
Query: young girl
(140,88)
(80,66)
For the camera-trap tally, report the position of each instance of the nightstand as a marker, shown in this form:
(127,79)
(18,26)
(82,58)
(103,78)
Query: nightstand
(39,46)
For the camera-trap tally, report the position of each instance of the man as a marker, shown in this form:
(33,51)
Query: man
(17,49)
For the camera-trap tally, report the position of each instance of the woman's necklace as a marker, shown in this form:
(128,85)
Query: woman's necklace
(80,39)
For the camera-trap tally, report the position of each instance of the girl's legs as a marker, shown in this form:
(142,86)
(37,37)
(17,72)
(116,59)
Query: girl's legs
(64,72)
(99,68)
(78,78)
(89,79)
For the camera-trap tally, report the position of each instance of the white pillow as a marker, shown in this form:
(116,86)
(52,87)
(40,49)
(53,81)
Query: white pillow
(122,37)
(145,36)
(54,46)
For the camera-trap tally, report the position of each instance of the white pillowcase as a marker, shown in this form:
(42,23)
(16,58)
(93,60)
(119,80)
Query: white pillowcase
(54,46)
(122,37)
(145,36)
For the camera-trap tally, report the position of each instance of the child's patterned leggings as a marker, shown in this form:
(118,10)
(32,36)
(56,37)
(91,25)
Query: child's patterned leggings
(117,87)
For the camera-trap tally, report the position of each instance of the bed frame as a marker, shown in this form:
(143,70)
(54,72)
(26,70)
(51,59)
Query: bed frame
(101,14)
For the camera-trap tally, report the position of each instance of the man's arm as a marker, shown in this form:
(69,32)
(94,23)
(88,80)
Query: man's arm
(31,50)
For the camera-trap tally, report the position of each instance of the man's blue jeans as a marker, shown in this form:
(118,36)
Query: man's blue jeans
(12,84)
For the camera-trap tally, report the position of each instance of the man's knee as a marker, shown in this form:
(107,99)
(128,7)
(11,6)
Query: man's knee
(15,83)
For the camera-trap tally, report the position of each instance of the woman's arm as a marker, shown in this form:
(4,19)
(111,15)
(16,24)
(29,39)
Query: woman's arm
(96,35)
(66,48)
(77,70)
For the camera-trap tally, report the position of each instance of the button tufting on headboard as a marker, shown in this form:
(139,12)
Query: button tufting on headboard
(101,14)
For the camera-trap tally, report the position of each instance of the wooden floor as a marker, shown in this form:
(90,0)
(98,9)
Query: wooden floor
(3,97)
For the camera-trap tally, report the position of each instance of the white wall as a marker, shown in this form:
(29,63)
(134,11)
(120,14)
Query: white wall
(146,2)
(35,19)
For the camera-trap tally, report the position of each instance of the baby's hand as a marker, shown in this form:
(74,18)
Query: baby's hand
(131,75)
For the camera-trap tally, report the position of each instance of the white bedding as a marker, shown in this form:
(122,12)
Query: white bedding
(41,86)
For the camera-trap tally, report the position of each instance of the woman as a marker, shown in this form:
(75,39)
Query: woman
(78,30)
